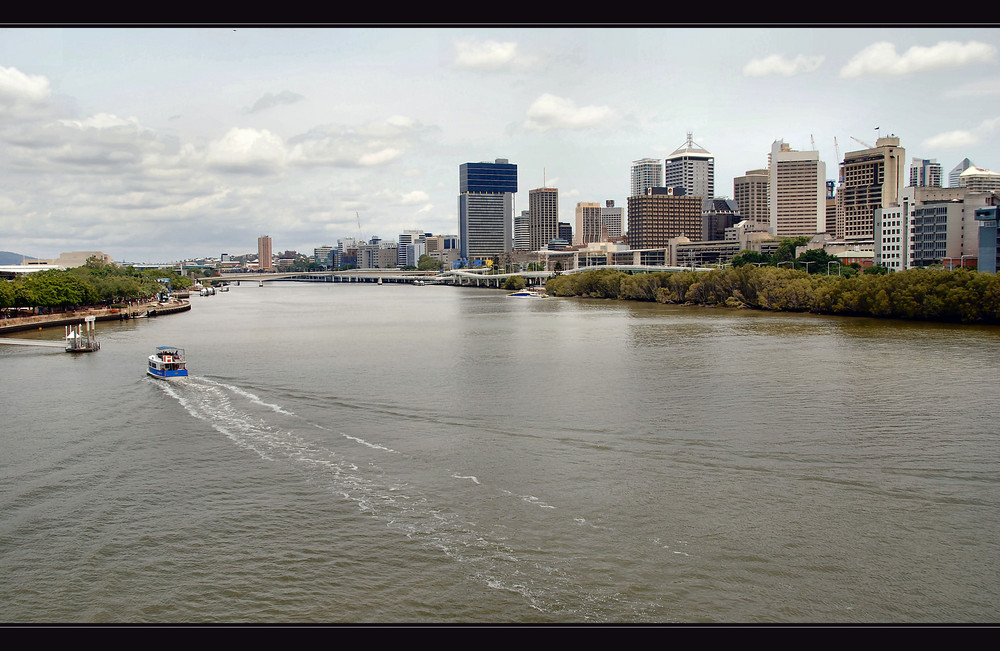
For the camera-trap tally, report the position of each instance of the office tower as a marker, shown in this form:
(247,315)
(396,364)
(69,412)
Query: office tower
(976,179)
(988,257)
(407,238)
(692,168)
(796,192)
(322,255)
(264,253)
(612,220)
(930,226)
(925,173)
(661,214)
(522,232)
(588,223)
(750,194)
(566,232)
(831,207)
(956,171)
(646,173)
(717,215)
(869,179)
(543,217)
(486,208)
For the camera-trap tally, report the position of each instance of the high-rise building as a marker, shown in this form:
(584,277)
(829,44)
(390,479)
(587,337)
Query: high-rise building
(264,253)
(646,173)
(543,217)
(486,208)
(925,173)
(588,223)
(565,232)
(957,171)
(407,238)
(322,255)
(692,168)
(976,179)
(612,220)
(796,192)
(660,214)
(930,226)
(989,237)
(522,232)
(750,194)
(869,179)
(718,215)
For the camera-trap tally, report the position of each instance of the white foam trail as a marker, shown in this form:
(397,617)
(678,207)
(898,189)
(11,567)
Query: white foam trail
(374,446)
(472,477)
(247,394)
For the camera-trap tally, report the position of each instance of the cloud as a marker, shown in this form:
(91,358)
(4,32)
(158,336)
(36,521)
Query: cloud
(882,59)
(552,112)
(17,87)
(247,151)
(978,88)
(270,100)
(960,139)
(485,55)
(368,145)
(21,95)
(779,64)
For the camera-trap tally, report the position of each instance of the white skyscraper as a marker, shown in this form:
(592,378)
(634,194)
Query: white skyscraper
(796,192)
(692,168)
(646,173)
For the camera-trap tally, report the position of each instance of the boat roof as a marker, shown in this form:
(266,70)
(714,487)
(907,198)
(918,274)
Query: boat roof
(168,348)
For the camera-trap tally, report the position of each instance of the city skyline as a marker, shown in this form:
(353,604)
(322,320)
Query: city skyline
(158,144)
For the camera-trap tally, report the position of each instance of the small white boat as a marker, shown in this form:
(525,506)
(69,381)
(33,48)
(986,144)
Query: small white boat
(527,293)
(167,362)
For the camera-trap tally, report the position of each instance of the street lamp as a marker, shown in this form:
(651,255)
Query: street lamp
(828,267)
(791,262)
(807,264)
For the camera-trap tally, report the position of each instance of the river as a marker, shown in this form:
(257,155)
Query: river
(374,454)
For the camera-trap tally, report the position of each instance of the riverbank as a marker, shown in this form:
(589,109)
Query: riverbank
(959,296)
(142,310)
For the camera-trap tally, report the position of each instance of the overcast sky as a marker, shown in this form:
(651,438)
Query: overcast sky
(156,144)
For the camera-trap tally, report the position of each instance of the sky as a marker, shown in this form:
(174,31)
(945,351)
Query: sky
(160,144)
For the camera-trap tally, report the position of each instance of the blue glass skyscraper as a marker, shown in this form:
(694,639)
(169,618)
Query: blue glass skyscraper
(486,208)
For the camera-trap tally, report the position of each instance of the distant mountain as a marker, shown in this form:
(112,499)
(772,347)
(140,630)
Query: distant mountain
(7,257)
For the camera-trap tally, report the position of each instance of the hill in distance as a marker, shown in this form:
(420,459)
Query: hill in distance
(7,257)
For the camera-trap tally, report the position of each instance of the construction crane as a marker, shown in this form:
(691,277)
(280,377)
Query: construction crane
(867,146)
(836,149)
(812,142)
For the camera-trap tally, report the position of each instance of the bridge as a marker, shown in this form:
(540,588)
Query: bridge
(464,277)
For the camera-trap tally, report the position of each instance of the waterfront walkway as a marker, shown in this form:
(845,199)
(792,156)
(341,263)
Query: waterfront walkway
(140,310)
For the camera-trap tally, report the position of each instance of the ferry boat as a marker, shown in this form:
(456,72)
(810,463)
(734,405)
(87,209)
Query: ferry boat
(167,362)
(527,293)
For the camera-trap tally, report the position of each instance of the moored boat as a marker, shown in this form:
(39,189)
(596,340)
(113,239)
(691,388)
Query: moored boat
(527,293)
(167,362)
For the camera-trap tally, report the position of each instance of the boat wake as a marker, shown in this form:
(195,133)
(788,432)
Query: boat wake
(356,470)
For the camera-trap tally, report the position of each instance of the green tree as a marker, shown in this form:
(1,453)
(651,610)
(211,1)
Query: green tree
(427,263)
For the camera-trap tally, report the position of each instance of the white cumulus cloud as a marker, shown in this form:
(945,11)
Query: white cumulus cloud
(552,112)
(779,64)
(485,55)
(963,138)
(15,87)
(882,58)
(249,151)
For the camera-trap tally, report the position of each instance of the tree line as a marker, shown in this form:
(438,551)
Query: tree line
(961,295)
(95,283)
